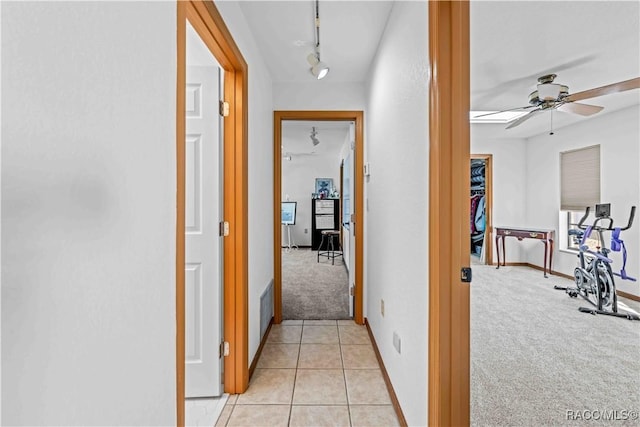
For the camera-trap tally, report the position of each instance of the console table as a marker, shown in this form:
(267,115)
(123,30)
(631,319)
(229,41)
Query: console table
(545,236)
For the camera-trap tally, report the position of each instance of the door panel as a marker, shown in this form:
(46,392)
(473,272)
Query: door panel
(203,266)
(193,213)
(193,297)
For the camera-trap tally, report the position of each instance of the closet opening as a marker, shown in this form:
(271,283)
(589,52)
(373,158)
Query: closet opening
(480,209)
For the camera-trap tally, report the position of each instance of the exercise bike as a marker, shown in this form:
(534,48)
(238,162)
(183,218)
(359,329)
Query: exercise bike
(593,276)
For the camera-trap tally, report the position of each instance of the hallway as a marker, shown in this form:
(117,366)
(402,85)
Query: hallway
(314,373)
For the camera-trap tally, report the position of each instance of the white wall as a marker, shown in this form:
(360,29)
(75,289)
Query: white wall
(298,182)
(319,95)
(618,134)
(396,241)
(1,221)
(509,164)
(88,213)
(260,166)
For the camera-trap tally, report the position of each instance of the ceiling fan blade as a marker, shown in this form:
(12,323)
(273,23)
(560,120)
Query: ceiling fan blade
(581,109)
(523,119)
(605,90)
(504,111)
(507,84)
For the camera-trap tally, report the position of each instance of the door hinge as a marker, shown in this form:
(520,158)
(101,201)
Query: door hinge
(465,274)
(223,229)
(223,350)
(351,291)
(224,109)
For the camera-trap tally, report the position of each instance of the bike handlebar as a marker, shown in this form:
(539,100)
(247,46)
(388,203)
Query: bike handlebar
(586,214)
(610,227)
(633,213)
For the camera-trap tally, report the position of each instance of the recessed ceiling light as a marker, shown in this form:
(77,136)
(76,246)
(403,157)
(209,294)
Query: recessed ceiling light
(494,116)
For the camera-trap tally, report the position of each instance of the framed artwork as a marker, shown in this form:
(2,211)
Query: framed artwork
(288,213)
(324,186)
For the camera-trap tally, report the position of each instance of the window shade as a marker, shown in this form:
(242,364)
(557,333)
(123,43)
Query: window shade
(580,178)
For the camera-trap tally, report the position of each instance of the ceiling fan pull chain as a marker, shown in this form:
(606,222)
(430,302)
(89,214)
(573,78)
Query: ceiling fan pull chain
(551,131)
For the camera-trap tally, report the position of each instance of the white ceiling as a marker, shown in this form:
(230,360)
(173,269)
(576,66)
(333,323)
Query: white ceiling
(349,36)
(296,137)
(587,44)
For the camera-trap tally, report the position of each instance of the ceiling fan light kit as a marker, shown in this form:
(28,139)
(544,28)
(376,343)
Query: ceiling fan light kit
(553,96)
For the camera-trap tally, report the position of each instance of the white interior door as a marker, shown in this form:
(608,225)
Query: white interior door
(203,263)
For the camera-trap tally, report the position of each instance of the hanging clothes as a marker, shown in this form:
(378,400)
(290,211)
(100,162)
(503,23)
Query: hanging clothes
(475,199)
(479,220)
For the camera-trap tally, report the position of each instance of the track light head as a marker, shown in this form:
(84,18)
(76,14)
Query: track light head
(318,68)
(314,137)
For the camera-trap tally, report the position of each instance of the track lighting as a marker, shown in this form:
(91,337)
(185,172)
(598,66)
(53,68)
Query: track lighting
(318,68)
(314,136)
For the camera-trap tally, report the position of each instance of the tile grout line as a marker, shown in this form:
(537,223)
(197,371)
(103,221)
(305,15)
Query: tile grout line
(344,374)
(295,375)
(226,423)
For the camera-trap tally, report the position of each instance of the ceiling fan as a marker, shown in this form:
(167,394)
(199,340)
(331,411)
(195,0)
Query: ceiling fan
(553,96)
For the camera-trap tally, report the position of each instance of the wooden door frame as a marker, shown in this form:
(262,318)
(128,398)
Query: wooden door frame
(208,23)
(352,116)
(488,203)
(449,105)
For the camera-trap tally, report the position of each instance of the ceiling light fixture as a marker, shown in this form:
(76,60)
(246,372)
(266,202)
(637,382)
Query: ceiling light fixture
(318,68)
(314,136)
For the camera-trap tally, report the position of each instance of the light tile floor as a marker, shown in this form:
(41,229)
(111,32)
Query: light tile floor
(314,373)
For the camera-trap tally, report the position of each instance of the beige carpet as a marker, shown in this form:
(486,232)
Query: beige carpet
(312,290)
(537,361)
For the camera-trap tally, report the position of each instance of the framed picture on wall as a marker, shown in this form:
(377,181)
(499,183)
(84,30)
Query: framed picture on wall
(324,186)
(288,213)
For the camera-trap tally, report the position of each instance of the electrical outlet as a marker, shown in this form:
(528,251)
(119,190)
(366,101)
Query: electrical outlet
(396,341)
(382,307)
(306,231)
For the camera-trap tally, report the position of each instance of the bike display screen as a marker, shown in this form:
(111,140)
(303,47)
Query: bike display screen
(603,210)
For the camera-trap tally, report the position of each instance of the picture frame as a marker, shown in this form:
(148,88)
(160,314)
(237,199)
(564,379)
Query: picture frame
(288,213)
(324,187)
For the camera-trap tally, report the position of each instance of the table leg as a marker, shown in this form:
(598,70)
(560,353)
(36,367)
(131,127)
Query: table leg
(498,250)
(550,255)
(544,268)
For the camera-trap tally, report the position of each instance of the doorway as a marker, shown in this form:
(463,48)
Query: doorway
(315,253)
(203,214)
(211,29)
(355,222)
(481,207)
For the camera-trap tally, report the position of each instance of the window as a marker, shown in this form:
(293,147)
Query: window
(573,218)
(580,178)
(579,188)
